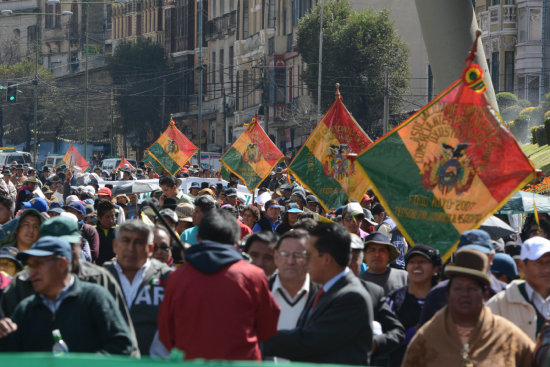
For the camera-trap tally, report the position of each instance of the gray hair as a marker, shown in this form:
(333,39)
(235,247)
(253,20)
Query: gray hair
(136,225)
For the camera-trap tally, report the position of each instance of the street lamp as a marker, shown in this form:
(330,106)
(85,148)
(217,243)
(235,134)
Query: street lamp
(58,2)
(9,12)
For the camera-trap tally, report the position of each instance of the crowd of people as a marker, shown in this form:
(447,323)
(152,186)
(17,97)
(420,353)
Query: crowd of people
(280,279)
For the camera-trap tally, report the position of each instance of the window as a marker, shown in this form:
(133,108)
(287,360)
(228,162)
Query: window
(290,85)
(231,67)
(495,70)
(129,25)
(509,71)
(74,29)
(50,22)
(213,75)
(271,46)
(245,19)
(284,22)
(522,25)
(138,25)
(521,87)
(245,89)
(535,25)
(159,15)
(222,69)
(271,14)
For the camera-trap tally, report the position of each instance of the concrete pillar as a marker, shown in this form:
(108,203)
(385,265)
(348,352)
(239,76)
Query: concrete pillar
(449,29)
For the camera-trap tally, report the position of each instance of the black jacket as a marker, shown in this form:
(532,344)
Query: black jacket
(393,332)
(338,330)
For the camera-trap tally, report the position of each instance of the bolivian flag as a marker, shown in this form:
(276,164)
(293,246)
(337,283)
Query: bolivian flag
(326,164)
(252,156)
(74,159)
(152,162)
(448,167)
(172,149)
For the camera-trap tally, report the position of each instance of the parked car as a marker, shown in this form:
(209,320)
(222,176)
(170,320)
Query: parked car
(52,160)
(110,163)
(7,157)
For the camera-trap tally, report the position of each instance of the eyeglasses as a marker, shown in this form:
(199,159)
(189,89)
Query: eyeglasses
(298,256)
(349,218)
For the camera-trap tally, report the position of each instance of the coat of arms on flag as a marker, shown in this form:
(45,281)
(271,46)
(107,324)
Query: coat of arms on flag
(326,164)
(449,166)
(252,156)
(172,149)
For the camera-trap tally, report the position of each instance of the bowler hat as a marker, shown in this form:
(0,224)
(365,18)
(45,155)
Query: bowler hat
(470,263)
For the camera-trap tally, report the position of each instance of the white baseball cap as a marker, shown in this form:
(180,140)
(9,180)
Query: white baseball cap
(534,248)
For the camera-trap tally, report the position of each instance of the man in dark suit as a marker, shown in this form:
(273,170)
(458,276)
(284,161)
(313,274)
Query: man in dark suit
(336,326)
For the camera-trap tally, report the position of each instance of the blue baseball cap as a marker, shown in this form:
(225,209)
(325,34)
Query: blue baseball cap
(36,203)
(79,207)
(47,246)
(475,239)
(10,253)
(294,208)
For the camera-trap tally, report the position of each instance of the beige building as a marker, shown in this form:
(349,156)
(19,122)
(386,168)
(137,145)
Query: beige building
(514,37)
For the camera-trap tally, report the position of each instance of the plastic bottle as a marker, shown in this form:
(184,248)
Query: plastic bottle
(59,346)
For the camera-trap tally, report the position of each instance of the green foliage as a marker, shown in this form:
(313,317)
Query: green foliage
(541,135)
(357,46)
(54,105)
(524,103)
(534,134)
(136,70)
(510,113)
(547,129)
(506,100)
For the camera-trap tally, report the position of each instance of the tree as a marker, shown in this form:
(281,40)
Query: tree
(357,46)
(137,70)
(17,123)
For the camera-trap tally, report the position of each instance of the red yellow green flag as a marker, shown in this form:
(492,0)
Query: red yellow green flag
(172,149)
(152,162)
(73,159)
(448,167)
(252,156)
(326,165)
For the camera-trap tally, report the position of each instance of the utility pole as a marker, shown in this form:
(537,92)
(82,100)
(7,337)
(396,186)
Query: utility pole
(35,92)
(87,85)
(320,61)
(163,99)
(224,120)
(199,100)
(386,117)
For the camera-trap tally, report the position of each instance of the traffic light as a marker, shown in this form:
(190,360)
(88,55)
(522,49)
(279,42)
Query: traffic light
(11,92)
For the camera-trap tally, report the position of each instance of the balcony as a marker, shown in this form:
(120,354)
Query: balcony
(220,26)
(509,12)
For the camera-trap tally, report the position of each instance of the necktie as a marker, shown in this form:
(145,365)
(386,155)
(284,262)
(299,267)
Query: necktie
(320,292)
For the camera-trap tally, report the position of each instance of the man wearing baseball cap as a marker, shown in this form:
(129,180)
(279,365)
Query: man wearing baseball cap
(85,313)
(526,303)
(270,219)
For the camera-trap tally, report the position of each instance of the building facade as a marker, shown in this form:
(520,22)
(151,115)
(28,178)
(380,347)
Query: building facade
(514,35)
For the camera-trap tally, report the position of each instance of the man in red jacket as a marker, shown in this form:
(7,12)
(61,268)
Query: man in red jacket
(217,306)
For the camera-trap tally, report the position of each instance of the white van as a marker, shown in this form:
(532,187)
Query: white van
(6,158)
(109,163)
